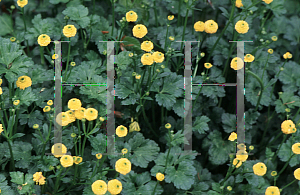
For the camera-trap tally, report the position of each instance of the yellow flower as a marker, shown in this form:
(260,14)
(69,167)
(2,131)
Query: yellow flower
(99,187)
(23,82)
(288,127)
(22,3)
(50,103)
(287,55)
(73,64)
(44,40)
(274,38)
(134,126)
(91,114)
(66,161)
(249,58)
(273,173)
(241,146)
(237,162)
(238,3)
(168,126)
(39,178)
(12,39)
(58,150)
(54,56)
(0,81)
(69,30)
(35,126)
(158,57)
(210,26)
(77,159)
(233,136)
(62,119)
(229,188)
(139,30)
(237,63)
(79,114)
(16,102)
(207,65)
(74,104)
(46,109)
(73,135)
(1,128)
(242,155)
(268,1)
(170,17)
(259,169)
(297,174)
(121,131)
(171,38)
(147,59)
(101,119)
(99,156)
(1,91)
(71,116)
(124,151)
(199,26)
(251,147)
(272,190)
(130,54)
(242,27)
(123,166)
(270,51)
(160,176)
(296,148)
(138,77)
(147,46)
(131,16)
(114,186)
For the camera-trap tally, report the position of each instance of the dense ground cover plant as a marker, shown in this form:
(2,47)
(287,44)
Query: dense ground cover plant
(149,97)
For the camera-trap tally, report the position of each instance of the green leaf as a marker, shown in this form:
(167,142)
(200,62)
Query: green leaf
(200,125)
(98,143)
(38,74)
(178,138)
(225,12)
(35,117)
(17,177)
(58,1)
(172,88)
(219,149)
(216,187)
(5,188)
(269,153)
(43,26)
(26,96)
(95,91)
(79,14)
(229,122)
(17,135)
(123,89)
(6,25)
(123,60)
(145,150)
(289,77)
(8,53)
(22,150)
(277,7)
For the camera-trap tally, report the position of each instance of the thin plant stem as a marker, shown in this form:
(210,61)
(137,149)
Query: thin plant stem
(12,160)
(113,19)
(289,184)
(25,31)
(178,19)
(42,55)
(69,50)
(261,85)
(155,13)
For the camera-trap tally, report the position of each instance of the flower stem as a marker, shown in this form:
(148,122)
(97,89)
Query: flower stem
(79,134)
(261,85)
(223,31)
(155,13)
(42,55)
(12,160)
(170,146)
(113,19)
(84,140)
(166,36)
(178,19)
(25,31)
(289,184)
(69,50)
